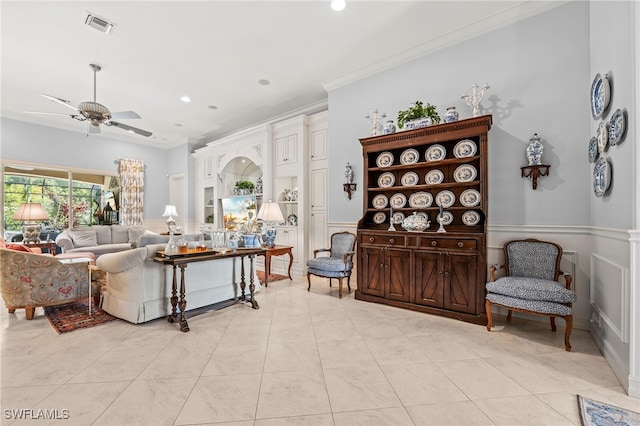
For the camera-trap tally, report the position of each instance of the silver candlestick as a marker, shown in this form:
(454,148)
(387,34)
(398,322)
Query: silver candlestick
(475,98)
(376,121)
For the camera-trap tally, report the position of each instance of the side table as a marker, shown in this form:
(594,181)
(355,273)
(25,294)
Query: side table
(275,251)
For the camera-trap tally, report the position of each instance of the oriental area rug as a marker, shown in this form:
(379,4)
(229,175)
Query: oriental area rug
(595,413)
(74,316)
(272,277)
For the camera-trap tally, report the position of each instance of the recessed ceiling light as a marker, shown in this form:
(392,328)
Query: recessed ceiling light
(338,5)
(185,99)
(212,107)
(178,125)
(264,82)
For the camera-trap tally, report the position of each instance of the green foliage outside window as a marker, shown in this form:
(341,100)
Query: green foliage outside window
(53,194)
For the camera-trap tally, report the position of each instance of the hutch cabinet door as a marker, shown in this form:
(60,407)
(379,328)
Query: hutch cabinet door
(428,269)
(372,268)
(398,274)
(461,282)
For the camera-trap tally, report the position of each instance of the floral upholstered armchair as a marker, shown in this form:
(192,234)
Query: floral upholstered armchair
(531,284)
(31,280)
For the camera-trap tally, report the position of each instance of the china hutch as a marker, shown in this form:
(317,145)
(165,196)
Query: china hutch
(437,172)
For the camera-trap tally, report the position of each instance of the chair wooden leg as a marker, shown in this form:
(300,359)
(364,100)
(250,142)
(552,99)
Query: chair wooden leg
(553,323)
(487,308)
(509,315)
(567,332)
(29,311)
(349,283)
(330,282)
(340,288)
(309,281)
(11,310)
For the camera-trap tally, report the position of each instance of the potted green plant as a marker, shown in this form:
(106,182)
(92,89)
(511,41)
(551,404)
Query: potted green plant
(424,115)
(244,187)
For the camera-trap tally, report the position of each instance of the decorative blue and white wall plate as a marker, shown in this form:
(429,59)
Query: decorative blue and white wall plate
(601,176)
(600,93)
(593,150)
(617,127)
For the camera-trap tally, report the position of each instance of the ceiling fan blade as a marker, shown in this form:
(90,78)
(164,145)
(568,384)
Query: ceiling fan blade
(129,128)
(60,101)
(48,113)
(124,115)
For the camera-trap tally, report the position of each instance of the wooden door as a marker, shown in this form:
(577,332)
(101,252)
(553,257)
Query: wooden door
(461,282)
(398,274)
(429,278)
(371,271)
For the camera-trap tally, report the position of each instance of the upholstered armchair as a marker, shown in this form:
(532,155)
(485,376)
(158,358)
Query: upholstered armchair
(31,280)
(531,284)
(338,264)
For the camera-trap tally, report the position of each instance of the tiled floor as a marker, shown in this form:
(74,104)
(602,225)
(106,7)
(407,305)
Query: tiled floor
(302,359)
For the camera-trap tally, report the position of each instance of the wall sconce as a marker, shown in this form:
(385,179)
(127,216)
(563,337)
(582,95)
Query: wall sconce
(535,169)
(349,186)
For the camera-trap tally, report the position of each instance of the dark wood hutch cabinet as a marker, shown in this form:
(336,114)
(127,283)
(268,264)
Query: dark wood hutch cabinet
(435,272)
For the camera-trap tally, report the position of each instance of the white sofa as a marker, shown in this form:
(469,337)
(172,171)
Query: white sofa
(139,289)
(99,239)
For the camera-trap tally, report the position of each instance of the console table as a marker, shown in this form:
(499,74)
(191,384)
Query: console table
(50,245)
(275,251)
(182,260)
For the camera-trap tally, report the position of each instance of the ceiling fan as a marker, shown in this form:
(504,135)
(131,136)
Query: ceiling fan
(96,114)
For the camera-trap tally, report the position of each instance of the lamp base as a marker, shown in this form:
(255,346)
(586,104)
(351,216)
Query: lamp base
(31,232)
(269,236)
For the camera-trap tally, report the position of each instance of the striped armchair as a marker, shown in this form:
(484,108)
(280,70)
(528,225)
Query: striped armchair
(31,280)
(531,284)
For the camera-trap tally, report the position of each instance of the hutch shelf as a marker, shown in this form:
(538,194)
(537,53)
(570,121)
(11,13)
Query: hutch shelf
(417,171)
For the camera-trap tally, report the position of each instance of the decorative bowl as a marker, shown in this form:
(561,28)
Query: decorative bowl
(415,223)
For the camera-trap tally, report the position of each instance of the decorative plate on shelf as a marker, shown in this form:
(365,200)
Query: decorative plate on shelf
(465,173)
(434,177)
(435,153)
(470,218)
(386,180)
(465,148)
(617,127)
(600,92)
(380,201)
(602,137)
(593,150)
(447,218)
(470,197)
(409,156)
(385,159)
(379,217)
(445,198)
(398,200)
(398,217)
(419,200)
(409,179)
(601,176)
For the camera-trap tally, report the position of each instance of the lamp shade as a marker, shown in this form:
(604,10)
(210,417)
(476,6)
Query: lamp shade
(270,212)
(169,211)
(29,212)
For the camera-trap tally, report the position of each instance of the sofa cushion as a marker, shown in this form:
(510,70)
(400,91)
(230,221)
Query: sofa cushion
(83,237)
(103,233)
(332,264)
(532,289)
(550,308)
(135,232)
(18,247)
(119,234)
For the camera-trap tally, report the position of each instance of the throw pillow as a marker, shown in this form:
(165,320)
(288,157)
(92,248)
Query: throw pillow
(19,247)
(134,235)
(84,238)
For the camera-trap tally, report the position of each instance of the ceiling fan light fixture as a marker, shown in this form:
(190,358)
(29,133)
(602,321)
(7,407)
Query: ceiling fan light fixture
(97,23)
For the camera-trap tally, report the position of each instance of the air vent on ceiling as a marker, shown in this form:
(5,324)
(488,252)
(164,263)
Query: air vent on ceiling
(98,23)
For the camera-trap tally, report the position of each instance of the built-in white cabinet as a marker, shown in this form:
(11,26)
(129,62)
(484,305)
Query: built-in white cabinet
(292,158)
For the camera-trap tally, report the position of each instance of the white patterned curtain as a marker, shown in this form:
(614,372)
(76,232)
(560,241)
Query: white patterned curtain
(131,192)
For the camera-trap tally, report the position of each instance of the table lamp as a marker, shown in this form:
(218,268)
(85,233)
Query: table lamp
(270,212)
(170,211)
(28,213)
